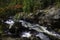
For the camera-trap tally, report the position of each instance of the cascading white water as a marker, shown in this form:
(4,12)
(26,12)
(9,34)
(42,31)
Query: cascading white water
(37,27)
(10,22)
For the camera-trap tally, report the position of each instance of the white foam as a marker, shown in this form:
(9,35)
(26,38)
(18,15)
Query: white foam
(10,22)
(26,34)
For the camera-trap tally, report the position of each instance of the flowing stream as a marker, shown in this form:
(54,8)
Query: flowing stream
(41,31)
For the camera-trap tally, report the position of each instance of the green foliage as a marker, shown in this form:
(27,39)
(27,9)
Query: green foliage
(1,29)
(12,2)
(26,6)
(17,17)
(4,3)
(57,2)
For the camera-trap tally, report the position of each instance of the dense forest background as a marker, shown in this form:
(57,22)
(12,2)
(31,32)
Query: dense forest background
(14,7)
(27,5)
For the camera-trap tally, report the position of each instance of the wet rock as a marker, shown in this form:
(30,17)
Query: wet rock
(42,36)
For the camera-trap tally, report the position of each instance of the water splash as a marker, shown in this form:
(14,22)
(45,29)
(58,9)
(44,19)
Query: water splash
(26,34)
(9,22)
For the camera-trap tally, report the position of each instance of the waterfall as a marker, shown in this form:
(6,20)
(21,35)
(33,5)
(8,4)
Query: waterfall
(40,29)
